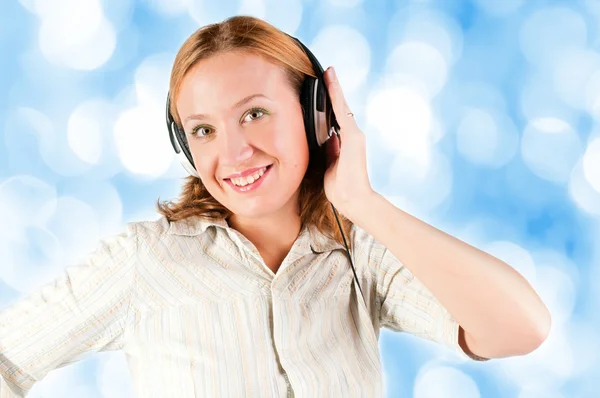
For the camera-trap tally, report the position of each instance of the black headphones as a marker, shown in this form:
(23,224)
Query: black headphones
(319,122)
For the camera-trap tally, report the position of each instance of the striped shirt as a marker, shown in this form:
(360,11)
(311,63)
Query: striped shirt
(197,313)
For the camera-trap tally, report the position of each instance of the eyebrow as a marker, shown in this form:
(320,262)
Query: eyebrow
(199,116)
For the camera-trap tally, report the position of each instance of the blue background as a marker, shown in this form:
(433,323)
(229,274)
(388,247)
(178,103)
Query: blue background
(480,116)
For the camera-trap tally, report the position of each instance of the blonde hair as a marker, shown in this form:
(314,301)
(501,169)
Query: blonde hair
(252,35)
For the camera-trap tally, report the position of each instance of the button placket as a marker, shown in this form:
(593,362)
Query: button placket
(275,295)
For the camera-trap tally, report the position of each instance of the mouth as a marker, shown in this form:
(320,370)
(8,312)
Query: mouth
(249,183)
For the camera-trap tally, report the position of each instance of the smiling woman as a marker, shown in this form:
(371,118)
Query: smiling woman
(235,91)
(242,287)
(237,139)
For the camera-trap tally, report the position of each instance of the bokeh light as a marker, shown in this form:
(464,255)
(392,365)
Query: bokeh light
(481,118)
(550,148)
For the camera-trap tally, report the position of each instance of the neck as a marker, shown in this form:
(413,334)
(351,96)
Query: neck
(276,231)
(273,237)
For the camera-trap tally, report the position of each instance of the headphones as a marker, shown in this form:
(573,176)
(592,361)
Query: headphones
(319,123)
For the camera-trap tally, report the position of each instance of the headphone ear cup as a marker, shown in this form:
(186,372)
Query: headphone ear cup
(307,95)
(184,155)
(179,142)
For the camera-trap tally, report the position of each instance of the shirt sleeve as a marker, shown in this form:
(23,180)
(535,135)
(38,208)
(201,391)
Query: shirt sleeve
(406,305)
(80,312)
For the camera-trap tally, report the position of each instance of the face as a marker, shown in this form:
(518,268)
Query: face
(227,135)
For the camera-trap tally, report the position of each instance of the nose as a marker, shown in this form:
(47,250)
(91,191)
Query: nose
(234,146)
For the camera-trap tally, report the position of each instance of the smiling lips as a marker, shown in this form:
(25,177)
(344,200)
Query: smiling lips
(249,183)
(243,181)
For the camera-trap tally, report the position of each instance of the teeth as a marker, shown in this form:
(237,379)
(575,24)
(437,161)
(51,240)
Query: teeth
(243,181)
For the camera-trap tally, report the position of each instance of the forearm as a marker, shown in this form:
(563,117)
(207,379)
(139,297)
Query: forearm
(495,305)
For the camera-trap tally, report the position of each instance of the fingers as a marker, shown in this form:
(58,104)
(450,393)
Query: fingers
(338,101)
(332,151)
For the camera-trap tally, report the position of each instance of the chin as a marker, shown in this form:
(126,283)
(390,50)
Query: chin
(258,207)
(248,214)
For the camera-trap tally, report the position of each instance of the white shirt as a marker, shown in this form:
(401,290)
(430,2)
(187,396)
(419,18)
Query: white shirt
(197,313)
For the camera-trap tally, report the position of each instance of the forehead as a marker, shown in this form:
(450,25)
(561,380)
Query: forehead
(225,78)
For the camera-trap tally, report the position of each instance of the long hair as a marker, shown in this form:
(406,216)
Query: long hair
(252,35)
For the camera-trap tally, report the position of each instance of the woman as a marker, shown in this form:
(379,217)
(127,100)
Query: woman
(243,287)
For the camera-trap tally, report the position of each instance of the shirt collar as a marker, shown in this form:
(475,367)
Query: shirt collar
(196,225)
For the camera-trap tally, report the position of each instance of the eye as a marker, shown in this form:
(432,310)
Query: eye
(256,112)
(198,130)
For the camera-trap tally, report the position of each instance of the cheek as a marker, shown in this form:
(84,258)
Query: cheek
(290,143)
(293,157)
(206,169)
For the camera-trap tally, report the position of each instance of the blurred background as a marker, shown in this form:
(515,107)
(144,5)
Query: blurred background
(481,119)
